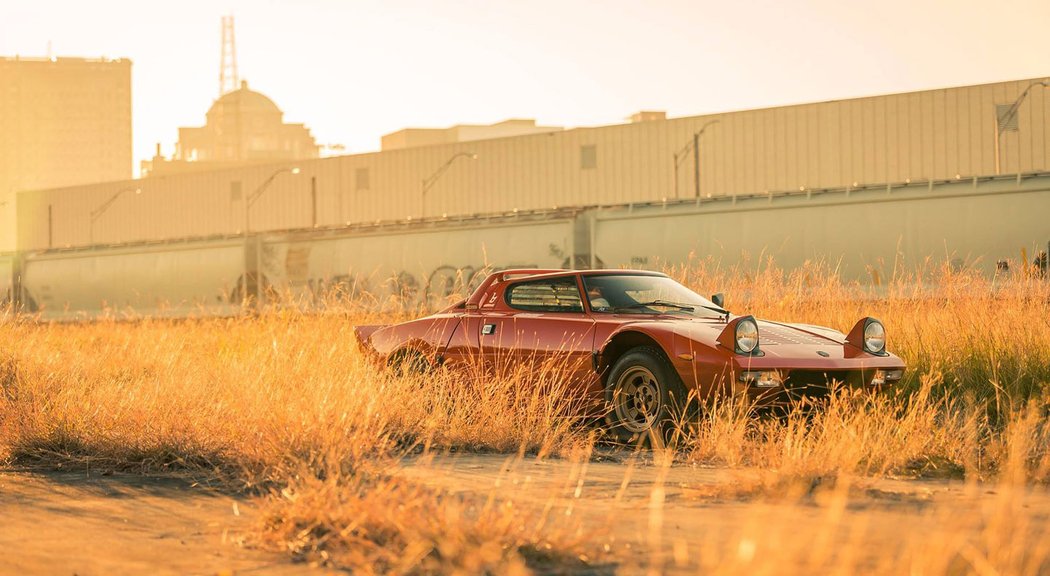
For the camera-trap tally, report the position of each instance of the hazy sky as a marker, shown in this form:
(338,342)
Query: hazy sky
(354,70)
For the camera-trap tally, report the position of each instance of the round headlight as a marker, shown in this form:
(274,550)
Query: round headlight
(746,336)
(874,337)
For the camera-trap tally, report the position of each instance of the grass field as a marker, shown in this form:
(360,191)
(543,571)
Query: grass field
(283,405)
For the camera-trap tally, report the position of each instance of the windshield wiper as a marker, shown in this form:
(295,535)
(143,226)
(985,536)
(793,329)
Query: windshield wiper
(675,305)
(663,303)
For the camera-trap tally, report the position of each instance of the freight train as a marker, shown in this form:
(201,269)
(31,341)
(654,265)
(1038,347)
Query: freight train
(868,235)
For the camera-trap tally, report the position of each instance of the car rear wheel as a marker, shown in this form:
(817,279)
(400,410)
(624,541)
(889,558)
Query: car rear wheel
(643,393)
(408,361)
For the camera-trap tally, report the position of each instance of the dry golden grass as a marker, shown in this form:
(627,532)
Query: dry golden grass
(286,405)
(283,404)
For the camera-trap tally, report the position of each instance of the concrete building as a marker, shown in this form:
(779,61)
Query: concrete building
(63,121)
(415,137)
(243,127)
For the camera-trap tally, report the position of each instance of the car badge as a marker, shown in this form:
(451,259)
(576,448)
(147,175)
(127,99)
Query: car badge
(823,353)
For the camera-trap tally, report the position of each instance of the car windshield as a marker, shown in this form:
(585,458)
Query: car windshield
(642,294)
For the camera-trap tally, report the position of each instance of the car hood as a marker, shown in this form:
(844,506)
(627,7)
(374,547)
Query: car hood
(776,339)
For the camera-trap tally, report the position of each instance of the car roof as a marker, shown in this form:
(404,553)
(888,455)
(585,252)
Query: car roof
(527,274)
(620,272)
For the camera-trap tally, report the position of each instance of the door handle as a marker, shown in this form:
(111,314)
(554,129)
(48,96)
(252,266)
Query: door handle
(488,329)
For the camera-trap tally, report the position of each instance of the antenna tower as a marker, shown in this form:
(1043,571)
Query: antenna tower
(228,79)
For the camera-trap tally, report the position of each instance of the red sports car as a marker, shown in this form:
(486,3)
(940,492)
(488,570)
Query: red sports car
(638,340)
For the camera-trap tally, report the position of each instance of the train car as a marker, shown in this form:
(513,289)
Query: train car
(165,280)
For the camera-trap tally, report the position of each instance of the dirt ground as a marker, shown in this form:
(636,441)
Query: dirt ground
(79,523)
(690,517)
(85,524)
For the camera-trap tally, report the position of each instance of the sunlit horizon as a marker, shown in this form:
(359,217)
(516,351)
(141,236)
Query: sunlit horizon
(353,72)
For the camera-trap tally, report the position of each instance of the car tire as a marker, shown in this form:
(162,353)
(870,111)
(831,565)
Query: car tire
(407,362)
(643,395)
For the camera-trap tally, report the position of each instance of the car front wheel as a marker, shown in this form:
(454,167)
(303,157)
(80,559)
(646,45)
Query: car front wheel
(643,393)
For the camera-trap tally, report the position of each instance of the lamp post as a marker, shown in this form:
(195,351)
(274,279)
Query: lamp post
(254,196)
(98,212)
(249,201)
(680,155)
(429,181)
(1001,122)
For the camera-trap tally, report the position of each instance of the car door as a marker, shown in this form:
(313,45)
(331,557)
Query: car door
(541,327)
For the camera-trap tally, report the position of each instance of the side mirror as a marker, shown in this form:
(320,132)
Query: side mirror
(719,300)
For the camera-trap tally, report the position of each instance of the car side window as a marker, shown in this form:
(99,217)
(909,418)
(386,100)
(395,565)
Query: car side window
(554,295)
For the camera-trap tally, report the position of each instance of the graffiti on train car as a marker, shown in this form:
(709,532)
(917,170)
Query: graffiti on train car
(430,273)
(442,286)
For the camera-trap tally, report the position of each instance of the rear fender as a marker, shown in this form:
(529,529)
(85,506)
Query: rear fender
(448,331)
(428,336)
(364,334)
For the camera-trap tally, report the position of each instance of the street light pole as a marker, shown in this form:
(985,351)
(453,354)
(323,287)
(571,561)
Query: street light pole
(1002,121)
(429,181)
(248,202)
(680,156)
(254,196)
(98,212)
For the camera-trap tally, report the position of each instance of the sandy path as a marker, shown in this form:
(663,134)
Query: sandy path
(680,518)
(692,513)
(72,523)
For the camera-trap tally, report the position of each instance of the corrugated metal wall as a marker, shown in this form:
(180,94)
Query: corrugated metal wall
(933,134)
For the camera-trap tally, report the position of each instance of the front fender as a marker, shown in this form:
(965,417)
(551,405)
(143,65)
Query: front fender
(662,336)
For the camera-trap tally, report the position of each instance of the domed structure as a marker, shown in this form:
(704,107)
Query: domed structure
(233,107)
(243,126)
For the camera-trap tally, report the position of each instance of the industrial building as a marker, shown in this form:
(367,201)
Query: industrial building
(873,185)
(63,121)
